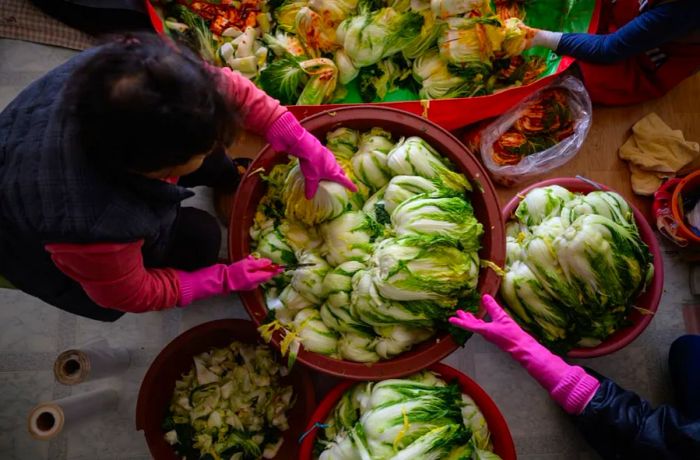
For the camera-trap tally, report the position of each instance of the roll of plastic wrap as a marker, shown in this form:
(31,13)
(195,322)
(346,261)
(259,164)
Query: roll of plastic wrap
(49,419)
(94,360)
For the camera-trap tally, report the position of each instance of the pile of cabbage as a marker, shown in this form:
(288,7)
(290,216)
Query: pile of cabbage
(231,405)
(419,417)
(390,263)
(574,265)
(307,51)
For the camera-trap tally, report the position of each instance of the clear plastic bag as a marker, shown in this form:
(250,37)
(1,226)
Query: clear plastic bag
(536,164)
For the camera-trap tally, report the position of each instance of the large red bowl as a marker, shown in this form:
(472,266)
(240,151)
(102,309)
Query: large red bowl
(176,359)
(500,434)
(647,301)
(398,123)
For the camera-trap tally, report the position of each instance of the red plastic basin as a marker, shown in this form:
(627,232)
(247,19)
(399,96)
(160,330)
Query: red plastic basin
(500,434)
(398,123)
(176,358)
(648,300)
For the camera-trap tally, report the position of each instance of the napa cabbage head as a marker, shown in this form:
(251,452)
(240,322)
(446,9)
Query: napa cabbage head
(284,45)
(427,38)
(430,215)
(308,280)
(542,259)
(471,41)
(394,340)
(607,204)
(435,78)
(371,36)
(369,163)
(274,246)
(358,347)
(411,411)
(330,201)
(401,188)
(423,268)
(476,422)
(542,203)
(371,308)
(514,251)
(413,156)
(341,448)
(299,236)
(347,71)
(286,13)
(336,311)
(314,334)
(608,261)
(343,142)
(530,303)
(315,32)
(375,207)
(292,300)
(349,237)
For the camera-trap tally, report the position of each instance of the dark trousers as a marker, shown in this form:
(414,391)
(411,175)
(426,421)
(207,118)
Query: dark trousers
(684,366)
(196,235)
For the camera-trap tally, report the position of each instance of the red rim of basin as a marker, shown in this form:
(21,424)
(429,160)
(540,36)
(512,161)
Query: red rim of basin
(648,300)
(399,123)
(176,358)
(500,434)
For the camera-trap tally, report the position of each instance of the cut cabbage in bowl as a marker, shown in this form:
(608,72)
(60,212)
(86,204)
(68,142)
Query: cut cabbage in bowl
(230,404)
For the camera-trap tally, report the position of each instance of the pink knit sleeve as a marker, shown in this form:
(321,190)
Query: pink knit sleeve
(113,275)
(258,110)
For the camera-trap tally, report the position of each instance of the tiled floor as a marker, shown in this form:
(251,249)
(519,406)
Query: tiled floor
(32,334)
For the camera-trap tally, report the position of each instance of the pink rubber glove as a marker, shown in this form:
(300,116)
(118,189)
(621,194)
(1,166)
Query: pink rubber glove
(317,163)
(220,279)
(569,386)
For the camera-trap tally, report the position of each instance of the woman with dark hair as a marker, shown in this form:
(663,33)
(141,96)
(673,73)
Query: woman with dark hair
(95,158)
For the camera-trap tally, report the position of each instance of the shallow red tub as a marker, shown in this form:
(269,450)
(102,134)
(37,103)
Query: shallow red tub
(500,434)
(648,300)
(398,123)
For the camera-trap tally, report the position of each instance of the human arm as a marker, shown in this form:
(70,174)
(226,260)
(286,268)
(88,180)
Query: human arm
(113,276)
(652,28)
(619,424)
(264,115)
(570,386)
(258,111)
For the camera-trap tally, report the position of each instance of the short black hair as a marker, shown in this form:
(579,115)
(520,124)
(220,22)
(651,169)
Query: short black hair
(143,103)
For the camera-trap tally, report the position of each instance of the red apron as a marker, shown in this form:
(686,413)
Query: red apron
(645,76)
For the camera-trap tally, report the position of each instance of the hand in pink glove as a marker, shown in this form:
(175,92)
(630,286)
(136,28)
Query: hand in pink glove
(220,279)
(569,386)
(317,163)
